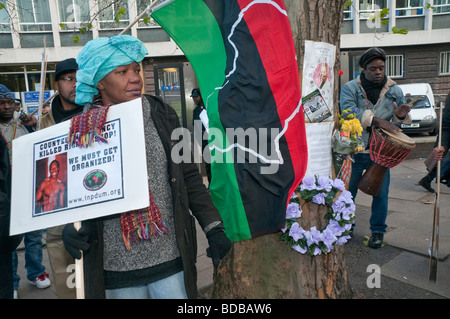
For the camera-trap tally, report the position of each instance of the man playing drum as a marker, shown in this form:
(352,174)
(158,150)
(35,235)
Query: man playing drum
(379,102)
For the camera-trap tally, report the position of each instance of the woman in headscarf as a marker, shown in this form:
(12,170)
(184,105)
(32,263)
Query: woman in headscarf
(163,267)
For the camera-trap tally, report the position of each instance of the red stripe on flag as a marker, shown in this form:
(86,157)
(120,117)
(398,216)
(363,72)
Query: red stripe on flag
(272,34)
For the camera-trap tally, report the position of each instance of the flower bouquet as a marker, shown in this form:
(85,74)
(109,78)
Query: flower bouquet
(348,139)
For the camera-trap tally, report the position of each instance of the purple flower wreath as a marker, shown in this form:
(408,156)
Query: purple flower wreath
(341,215)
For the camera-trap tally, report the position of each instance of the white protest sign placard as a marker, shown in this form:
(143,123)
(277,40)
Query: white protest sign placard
(54,183)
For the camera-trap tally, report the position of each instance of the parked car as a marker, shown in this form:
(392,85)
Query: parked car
(424,119)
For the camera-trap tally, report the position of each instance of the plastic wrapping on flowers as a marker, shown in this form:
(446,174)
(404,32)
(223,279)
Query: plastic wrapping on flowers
(340,216)
(348,139)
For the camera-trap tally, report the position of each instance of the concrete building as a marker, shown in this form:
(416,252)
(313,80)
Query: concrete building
(64,26)
(421,55)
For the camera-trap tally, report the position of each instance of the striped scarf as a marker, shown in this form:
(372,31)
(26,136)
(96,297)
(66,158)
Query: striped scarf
(142,224)
(86,128)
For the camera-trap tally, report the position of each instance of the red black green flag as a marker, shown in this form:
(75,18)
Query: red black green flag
(243,55)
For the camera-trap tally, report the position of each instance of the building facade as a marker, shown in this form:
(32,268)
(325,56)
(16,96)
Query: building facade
(420,55)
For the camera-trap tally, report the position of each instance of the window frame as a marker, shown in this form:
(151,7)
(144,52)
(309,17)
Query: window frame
(42,26)
(392,59)
(410,8)
(444,63)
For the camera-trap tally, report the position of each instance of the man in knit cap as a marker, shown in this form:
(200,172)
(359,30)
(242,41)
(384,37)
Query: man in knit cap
(378,101)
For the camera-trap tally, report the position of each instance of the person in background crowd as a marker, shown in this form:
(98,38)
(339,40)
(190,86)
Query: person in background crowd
(199,109)
(8,243)
(439,154)
(11,129)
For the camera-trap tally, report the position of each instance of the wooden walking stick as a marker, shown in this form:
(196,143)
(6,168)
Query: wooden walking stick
(79,271)
(432,273)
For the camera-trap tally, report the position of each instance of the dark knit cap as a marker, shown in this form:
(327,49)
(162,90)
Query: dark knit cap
(369,55)
(66,66)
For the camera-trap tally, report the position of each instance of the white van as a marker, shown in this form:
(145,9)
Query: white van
(424,119)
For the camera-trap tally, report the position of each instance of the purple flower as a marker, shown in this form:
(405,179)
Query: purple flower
(293,211)
(346,197)
(317,251)
(347,212)
(347,227)
(299,249)
(335,229)
(296,232)
(324,183)
(308,183)
(338,206)
(313,236)
(339,184)
(319,198)
(328,239)
(294,195)
(342,240)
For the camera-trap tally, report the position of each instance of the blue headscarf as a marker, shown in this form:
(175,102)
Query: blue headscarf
(101,56)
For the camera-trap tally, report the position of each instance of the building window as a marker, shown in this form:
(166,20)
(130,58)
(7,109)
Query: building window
(441,6)
(444,68)
(409,8)
(4,18)
(73,13)
(146,21)
(26,78)
(34,15)
(395,66)
(367,8)
(348,13)
(113,14)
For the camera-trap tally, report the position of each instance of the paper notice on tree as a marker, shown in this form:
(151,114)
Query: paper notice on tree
(319,149)
(55,183)
(318,71)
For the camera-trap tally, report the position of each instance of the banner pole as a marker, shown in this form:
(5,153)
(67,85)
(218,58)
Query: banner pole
(143,13)
(79,271)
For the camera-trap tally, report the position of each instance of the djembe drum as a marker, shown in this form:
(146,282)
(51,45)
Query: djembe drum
(387,150)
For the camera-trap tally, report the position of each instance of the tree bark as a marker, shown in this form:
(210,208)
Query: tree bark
(266,267)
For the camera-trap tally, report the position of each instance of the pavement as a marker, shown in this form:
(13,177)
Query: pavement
(402,263)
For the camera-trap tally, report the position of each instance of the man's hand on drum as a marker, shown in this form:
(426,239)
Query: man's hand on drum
(385,125)
(401,111)
(438,153)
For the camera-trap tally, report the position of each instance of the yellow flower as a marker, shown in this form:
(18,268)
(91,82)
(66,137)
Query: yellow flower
(353,126)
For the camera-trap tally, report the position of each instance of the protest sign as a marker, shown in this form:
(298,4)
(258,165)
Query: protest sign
(55,183)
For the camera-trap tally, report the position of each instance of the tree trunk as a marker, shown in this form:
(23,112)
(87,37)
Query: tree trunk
(266,267)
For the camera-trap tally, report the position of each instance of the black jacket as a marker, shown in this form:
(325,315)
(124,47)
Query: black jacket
(7,243)
(188,193)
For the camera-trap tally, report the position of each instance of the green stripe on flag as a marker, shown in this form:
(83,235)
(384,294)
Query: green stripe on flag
(195,30)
